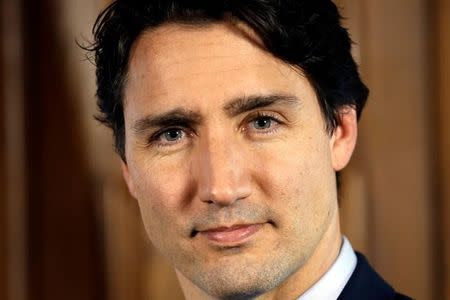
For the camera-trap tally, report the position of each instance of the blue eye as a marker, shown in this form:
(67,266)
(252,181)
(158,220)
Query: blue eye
(172,135)
(262,123)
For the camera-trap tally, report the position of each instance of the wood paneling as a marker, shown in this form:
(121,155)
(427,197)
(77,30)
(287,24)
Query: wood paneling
(441,19)
(397,143)
(388,183)
(14,221)
(65,253)
(354,194)
(3,215)
(124,242)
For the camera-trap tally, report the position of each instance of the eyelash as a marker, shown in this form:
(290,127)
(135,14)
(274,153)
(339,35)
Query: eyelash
(260,115)
(155,139)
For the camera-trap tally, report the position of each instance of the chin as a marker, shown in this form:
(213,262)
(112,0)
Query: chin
(235,290)
(241,281)
(240,295)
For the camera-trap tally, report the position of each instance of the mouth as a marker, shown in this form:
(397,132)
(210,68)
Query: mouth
(229,235)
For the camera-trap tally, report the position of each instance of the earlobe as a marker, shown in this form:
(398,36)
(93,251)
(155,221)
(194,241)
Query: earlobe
(127,178)
(344,137)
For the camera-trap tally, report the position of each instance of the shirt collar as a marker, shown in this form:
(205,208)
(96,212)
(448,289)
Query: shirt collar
(331,284)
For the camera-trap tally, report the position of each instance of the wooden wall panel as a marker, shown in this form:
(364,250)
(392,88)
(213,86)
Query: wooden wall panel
(354,194)
(387,186)
(65,253)
(12,118)
(441,18)
(397,143)
(124,242)
(3,215)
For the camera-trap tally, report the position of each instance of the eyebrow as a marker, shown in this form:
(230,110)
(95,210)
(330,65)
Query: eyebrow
(189,118)
(244,104)
(175,117)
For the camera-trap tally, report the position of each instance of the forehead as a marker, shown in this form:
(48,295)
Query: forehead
(193,64)
(171,46)
(213,36)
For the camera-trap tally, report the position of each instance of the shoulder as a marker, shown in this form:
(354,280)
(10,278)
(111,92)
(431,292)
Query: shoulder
(401,297)
(366,283)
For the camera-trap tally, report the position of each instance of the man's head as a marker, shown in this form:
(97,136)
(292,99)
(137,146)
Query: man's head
(231,118)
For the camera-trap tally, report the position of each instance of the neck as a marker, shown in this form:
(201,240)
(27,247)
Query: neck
(317,265)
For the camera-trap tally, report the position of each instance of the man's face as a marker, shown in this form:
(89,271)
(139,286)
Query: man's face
(228,157)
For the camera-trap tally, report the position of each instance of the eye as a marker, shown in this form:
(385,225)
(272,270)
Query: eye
(168,137)
(172,135)
(262,122)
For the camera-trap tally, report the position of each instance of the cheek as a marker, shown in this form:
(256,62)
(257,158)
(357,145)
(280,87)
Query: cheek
(161,191)
(297,178)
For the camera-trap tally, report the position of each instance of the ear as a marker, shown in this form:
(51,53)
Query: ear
(343,141)
(128,179)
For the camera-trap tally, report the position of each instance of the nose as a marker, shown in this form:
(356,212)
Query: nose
(221,170)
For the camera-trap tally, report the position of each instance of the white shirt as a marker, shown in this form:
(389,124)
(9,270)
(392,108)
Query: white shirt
(331,284)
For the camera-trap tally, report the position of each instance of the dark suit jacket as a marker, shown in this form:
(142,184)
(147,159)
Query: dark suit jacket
(366,284)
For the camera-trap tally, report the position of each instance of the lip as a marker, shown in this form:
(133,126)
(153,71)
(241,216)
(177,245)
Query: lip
(231,235)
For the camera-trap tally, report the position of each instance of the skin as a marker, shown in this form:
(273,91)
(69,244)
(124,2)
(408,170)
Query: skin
(225,159)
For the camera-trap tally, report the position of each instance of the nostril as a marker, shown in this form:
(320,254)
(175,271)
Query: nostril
(193,233)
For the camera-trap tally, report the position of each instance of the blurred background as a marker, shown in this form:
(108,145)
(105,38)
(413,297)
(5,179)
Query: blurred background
(69,230)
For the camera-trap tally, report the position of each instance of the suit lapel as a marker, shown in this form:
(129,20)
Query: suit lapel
(366,284)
